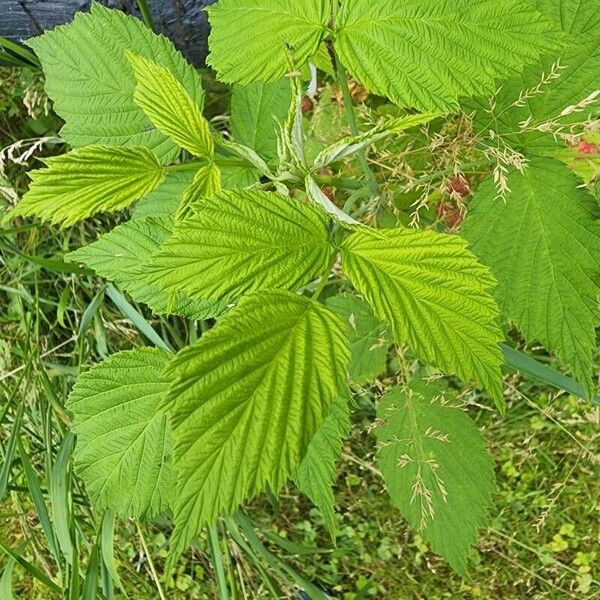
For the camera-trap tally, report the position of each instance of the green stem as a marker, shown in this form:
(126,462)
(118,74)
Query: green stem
(351,120)
(188,166)
(320,287)
(145,10)
(150,562)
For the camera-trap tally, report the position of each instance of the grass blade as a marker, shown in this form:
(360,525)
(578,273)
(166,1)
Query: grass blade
(39,504)
(106,545)
(217,561)
(526,364)
(60,477)
(33,571)
(6,580)
(136,318)
(90,585)
(10,452)
(313,592)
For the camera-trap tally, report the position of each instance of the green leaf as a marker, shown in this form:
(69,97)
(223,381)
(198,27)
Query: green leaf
(123,442)
(206,183)
(436,468)
(428,54)
(435,295)
(256,111)
(317,473)
(368,340)
(122,256)
(241,241)
(577,78)
(169,107)
(91,81)
(252,40)
(88,181)
(167,197)
(246,401)
(543,245)
(351,145)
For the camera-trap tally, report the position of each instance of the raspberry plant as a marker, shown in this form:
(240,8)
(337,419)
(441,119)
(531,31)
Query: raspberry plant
(233,229)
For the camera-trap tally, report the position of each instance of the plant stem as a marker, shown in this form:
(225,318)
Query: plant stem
(150,562)
(145,11)
(320,287)
(351,120)
(188,166)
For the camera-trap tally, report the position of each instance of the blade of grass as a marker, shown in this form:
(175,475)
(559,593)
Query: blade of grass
(127,310)
(89,312)
(10,451)
(90,584)
(233,531)
(39,504)
(29,57)
(74,593)
(217,561)
(526,364)
(60,477)
(107,546)
(6,580)
(313,592)
(33,571)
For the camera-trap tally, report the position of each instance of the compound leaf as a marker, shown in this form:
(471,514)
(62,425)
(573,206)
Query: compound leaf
(252,40)
(317,473)
(90,180)
(428,54)
(368,337)
(91,81)
(122,255)
(123,440)
(170,108)
(256,109)
(247,399)
(436,468)
(543,246)
(239,241)
(435,295)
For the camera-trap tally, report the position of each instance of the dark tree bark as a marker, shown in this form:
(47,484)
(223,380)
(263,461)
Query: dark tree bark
(183,21)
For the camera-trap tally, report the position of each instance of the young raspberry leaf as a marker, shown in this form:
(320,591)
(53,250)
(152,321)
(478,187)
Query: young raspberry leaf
(240,241)
(246,401)
(436,468)
(89,180)
(543,246)
(436,296)
(123,449)
(206,183)
(91,82)
(170,108)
